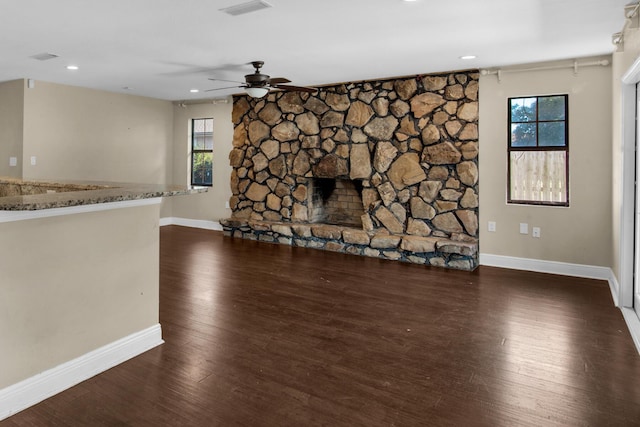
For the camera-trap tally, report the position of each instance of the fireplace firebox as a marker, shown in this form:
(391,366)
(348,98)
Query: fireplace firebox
(336,201)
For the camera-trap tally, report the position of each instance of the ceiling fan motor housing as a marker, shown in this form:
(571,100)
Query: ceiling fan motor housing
(256,79)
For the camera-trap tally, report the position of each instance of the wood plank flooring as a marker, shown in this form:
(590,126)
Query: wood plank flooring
(267,335)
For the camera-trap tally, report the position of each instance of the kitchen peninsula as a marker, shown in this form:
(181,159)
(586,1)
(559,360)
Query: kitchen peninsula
(78,282)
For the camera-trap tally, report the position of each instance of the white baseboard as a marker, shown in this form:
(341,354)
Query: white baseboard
(194,223)
(633,324)
(554,267)
(24,394)
(614,286)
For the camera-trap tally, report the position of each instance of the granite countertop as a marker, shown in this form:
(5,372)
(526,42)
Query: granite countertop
(60,194)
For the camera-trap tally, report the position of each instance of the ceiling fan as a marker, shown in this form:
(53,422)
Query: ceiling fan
(258,85)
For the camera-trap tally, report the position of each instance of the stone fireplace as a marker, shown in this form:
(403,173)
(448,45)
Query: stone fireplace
(382,168)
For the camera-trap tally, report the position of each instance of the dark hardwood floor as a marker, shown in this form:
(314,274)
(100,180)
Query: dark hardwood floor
(267,335)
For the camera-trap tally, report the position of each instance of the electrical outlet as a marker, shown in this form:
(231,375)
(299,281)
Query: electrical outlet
(13,161)
(491,226)
(226,205)
(524,228)
(33,160)
(535,232)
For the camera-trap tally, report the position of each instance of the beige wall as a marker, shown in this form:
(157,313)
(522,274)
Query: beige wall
(622,60)
(208,206)
(71,284)
(85,134)
(581,233)
(11,121)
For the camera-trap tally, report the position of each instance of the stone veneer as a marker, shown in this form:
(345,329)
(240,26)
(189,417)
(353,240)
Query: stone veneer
(412,142)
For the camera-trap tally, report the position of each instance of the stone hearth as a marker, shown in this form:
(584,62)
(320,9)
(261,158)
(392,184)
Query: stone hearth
(401,153)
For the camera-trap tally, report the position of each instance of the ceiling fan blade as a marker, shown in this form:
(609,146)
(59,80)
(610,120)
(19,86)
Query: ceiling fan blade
(278,80)
(223,88)
(295,88)
(228,81)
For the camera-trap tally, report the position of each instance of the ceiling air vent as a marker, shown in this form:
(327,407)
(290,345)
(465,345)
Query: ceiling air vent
(44,56)
(241,9)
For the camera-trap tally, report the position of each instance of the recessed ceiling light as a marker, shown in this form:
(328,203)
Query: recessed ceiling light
(468,57)
(72,67)
(194,91)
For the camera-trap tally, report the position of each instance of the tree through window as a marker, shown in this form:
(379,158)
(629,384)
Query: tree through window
(202,151)
(538,165)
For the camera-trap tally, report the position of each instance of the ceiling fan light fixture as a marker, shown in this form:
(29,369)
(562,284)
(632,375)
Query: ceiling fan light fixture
(256,92)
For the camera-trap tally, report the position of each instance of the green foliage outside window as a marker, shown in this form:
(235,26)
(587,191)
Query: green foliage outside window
(202,152)
(202,169)
(538,121)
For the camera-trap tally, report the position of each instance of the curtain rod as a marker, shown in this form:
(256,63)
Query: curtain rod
(214,101)
(630,12)
(499,72)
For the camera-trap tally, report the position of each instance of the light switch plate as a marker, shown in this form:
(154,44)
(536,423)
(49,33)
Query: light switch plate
(13,161)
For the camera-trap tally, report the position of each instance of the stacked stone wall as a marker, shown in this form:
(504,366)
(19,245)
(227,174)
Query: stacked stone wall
(412,142)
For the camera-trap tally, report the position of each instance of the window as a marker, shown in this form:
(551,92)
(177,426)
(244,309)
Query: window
(538,164)
(202,152)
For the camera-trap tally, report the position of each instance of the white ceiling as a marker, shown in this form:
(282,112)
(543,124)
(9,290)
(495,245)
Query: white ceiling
(164,48)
